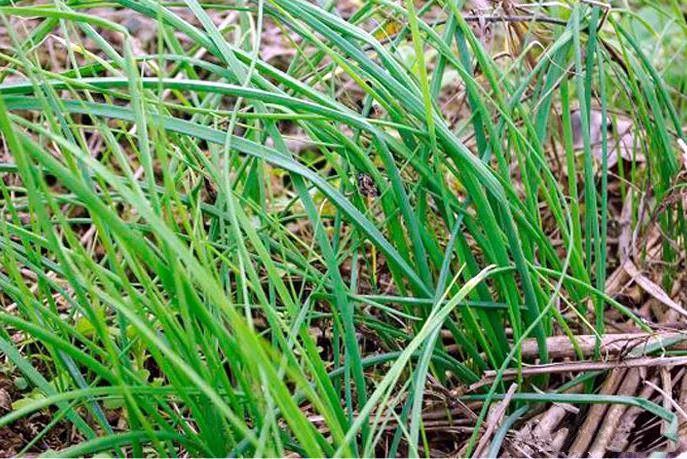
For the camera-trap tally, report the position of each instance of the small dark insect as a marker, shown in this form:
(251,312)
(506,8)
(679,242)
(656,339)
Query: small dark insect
(367,186)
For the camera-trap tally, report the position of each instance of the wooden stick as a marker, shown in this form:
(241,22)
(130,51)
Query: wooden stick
(560,347)
(595,415)
(577,367)
(613,415)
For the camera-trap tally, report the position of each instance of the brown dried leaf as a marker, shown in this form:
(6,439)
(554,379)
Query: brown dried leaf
(620,137)
(651,288)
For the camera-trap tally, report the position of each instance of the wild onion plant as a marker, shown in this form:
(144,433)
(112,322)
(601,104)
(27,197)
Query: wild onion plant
(186,240)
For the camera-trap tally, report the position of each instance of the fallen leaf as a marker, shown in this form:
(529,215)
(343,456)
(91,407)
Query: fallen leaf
(619,132)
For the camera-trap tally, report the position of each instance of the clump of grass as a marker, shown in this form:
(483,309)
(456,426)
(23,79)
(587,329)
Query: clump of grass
(169,252)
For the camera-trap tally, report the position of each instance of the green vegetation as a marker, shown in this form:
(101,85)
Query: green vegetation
(205,252)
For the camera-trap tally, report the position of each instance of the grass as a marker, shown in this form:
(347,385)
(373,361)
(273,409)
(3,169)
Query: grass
(180,221)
